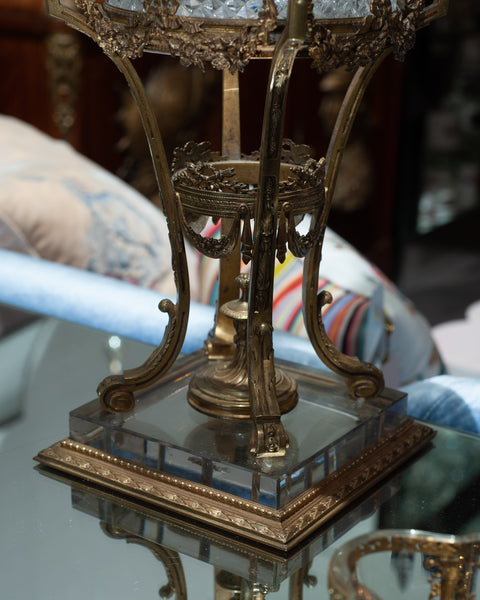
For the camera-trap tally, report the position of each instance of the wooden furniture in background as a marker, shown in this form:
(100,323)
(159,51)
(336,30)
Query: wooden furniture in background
(60,82)
(44,64)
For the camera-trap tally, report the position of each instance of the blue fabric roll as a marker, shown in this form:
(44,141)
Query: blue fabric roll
(114,306)
(446,400)
(93,300)
(131,311)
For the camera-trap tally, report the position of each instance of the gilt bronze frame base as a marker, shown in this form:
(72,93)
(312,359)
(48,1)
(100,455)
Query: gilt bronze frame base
(293,498)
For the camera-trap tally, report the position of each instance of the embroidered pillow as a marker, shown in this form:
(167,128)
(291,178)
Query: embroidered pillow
(58,205)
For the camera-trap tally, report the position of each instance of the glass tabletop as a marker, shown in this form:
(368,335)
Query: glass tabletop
(65,539)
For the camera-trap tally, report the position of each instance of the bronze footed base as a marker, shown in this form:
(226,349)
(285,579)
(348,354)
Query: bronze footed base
(222,391)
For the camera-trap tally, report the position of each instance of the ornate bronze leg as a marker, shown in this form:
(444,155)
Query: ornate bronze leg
(270,437)
(364,380)
(116,391)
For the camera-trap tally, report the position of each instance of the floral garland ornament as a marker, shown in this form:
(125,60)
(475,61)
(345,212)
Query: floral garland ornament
(375,33)
(195,41)
(114,38)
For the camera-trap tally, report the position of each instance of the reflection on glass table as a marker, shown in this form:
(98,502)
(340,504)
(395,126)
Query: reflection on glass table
(52,544)
(243,569)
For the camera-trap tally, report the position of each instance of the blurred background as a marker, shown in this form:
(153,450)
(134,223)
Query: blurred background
(409,189)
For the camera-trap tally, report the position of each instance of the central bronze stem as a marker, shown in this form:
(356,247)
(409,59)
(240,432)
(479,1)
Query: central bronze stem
(222,390)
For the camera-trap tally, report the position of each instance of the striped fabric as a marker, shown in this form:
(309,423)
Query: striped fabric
(345,318)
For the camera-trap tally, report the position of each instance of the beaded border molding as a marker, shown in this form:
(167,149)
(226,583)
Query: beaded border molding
(281,529)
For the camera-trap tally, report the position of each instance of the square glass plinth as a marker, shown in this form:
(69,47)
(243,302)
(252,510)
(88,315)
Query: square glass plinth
(168,454)
(326,430)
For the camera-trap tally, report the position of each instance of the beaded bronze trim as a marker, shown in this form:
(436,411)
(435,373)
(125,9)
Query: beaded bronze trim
(280,528)
(211,185)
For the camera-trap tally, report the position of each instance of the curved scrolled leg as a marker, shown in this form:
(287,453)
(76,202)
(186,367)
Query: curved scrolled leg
(116,392)
(269,436)
(363,379)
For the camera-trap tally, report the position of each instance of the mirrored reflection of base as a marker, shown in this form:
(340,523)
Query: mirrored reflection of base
(169,558)
(406,564)
(238,565)
(167,453)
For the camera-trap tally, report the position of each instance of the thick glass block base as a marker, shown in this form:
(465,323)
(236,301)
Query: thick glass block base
(168,453)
